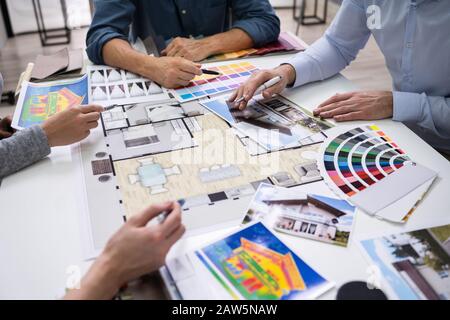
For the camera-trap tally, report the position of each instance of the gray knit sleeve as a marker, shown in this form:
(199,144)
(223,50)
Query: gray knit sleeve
(24,148)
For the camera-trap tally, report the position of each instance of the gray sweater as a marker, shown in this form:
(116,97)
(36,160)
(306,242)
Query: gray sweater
(24,148)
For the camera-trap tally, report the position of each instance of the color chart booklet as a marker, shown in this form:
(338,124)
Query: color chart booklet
(369,169)
(230,78)
(251,263)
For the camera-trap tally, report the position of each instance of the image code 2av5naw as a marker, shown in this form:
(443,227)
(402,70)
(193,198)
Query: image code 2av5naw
(246,309)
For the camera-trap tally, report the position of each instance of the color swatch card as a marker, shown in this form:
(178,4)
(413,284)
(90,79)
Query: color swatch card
(38,101)
(109,86)
(232,76)
(286,43)
(250,264)
(369,169)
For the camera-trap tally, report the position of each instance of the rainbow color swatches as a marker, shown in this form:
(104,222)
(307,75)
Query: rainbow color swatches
(232,76)
(361,157)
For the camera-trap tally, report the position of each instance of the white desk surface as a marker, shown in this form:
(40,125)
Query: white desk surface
(40,225)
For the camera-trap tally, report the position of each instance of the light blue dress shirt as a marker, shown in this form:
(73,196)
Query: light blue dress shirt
(414,36)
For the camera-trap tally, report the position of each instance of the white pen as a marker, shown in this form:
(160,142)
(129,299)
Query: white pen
(263,87)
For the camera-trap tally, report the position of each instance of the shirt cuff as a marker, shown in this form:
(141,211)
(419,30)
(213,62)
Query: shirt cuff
(95,49)
(407,107)
(290,85)
(302,66)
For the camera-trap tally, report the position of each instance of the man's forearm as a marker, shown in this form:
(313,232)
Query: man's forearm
(119,53)
(229,41)
(430,113)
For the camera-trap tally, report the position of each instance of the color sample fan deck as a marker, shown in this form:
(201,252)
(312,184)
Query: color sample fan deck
(371,171)
(232,76)
(361,157)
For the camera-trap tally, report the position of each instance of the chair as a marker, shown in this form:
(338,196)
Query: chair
(308,20)
(146,161)
(172,171)
(54,36)
(133,178)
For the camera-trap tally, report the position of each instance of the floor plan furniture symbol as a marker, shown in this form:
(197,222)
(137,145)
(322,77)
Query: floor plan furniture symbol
(283,179)
(219,172)
(151,175)
(308,172)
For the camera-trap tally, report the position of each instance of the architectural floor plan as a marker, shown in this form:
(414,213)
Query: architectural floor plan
(150,153)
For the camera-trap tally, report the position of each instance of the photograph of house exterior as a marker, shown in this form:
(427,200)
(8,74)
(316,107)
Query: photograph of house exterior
(415,264)
(309,215)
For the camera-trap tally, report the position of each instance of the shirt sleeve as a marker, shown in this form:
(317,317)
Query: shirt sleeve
(22,149)
(431,113)
(112,19)
(347,34)
(258,19)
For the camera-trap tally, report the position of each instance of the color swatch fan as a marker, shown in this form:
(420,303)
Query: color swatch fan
(370,170)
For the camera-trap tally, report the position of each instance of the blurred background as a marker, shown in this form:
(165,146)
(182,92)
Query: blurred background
(32,27)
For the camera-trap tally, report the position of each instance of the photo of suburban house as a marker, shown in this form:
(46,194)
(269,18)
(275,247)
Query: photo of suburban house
(306,215)
(416,264)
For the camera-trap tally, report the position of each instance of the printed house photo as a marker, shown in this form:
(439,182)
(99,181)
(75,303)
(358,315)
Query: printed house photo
(415,264)
(303,214)
(257,265)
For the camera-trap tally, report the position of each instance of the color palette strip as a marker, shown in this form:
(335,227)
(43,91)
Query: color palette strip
(359,158)
(232,76)
(216,276)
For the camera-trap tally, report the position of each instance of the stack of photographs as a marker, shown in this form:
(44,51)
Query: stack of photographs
(274,124)
(310,211)
(250,264)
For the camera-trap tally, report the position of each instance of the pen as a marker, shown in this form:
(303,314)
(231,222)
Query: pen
(211,72)
(162,216)
(263,87)
(110,107)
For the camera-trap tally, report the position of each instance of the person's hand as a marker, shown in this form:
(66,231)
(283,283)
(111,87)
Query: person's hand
(6,130)
(247,90)
(71,125)
(191,49)
(174,72)
(134,250)
(137,249)
(371,105)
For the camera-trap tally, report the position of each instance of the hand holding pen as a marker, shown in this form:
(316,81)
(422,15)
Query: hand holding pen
(267,82)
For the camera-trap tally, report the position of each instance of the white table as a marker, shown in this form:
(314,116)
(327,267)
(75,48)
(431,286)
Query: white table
(40,231)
